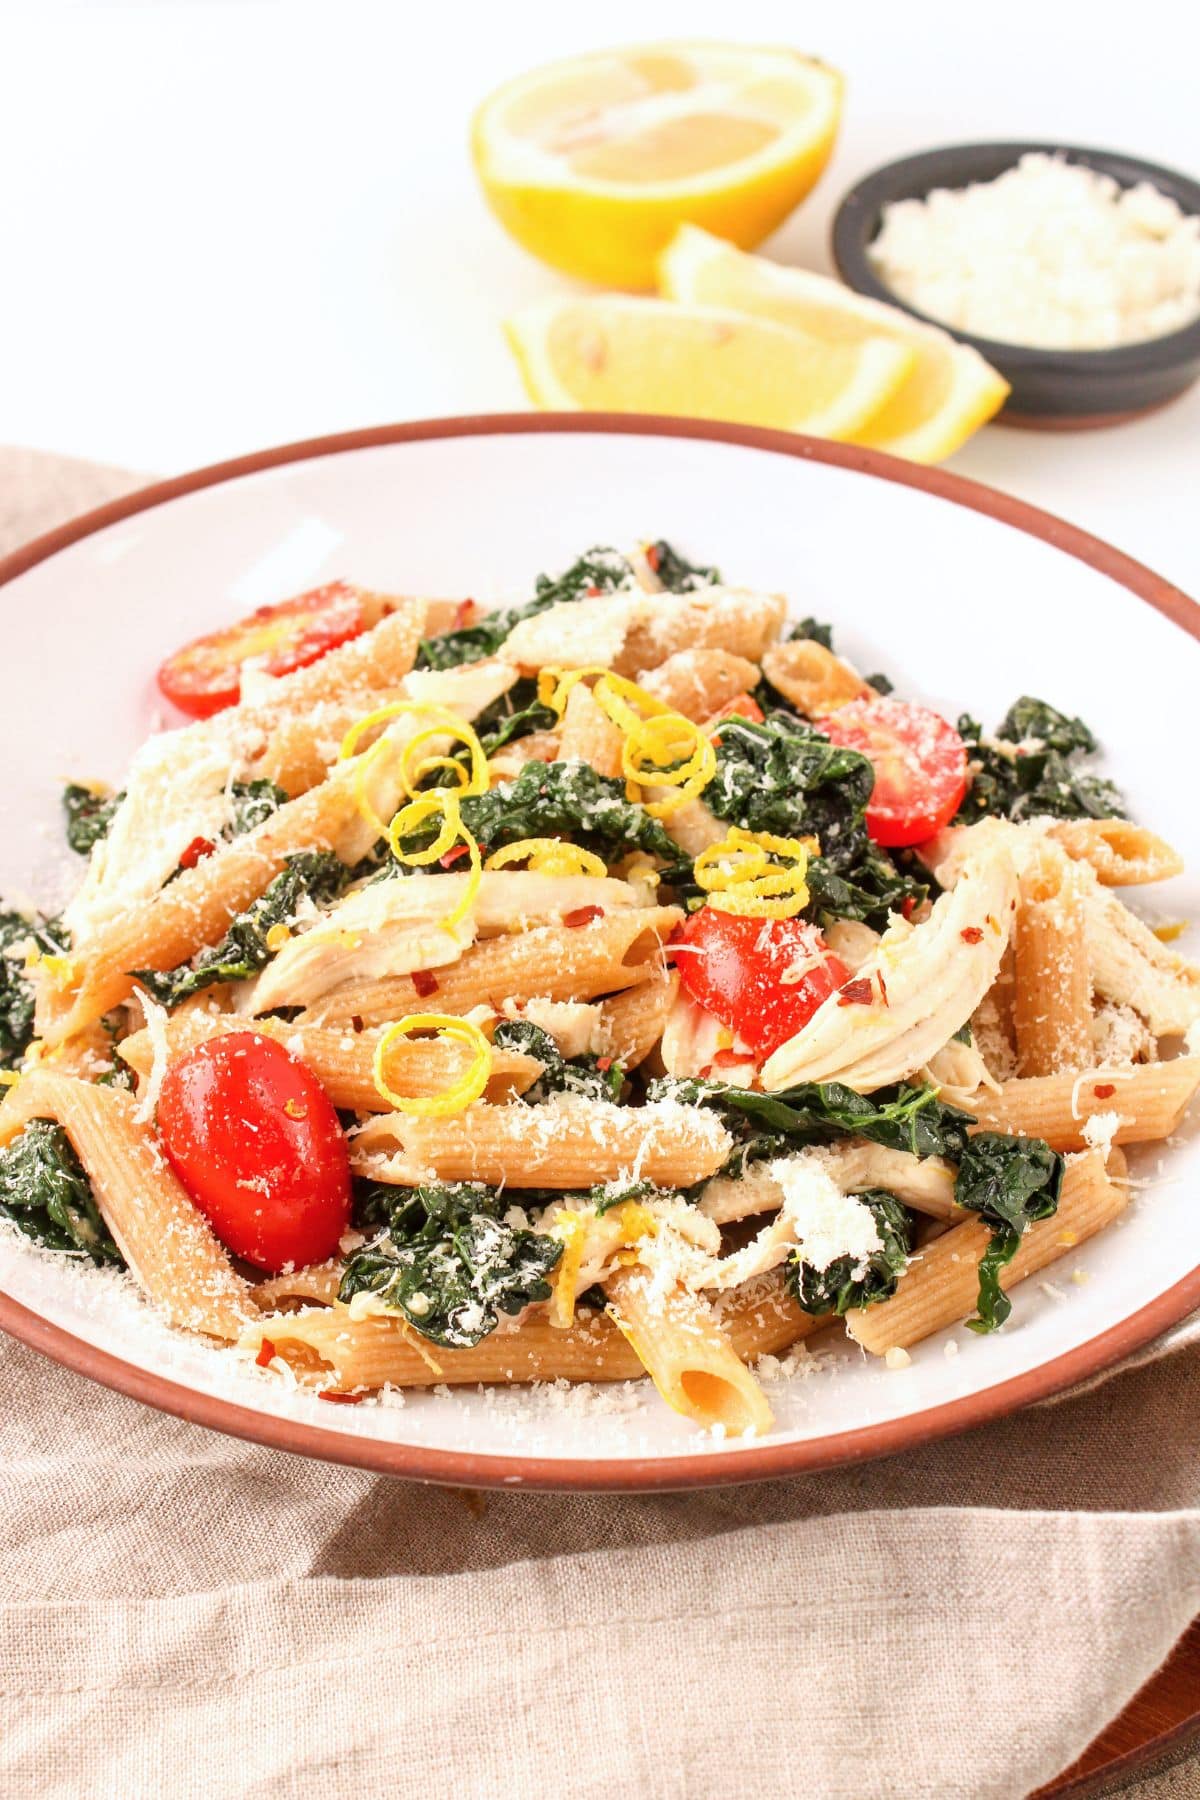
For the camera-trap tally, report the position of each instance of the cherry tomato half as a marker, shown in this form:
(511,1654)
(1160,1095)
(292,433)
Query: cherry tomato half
(206,674)
(920,766)
(764,978)
(255,1140)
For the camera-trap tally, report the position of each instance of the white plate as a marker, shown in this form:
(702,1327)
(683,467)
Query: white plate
(967,598)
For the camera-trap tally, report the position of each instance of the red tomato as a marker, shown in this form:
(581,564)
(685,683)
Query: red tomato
(742,706)
(206,674)
(255,1140)
(752,974)
(920,766)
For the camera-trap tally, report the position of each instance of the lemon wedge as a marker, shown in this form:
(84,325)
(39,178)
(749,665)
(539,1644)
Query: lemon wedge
(950,390)
(614,353)
(591,164)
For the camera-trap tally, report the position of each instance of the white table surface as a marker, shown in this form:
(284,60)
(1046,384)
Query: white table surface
(229,223)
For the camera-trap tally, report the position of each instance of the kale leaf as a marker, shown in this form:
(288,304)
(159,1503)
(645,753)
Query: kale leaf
(1009,1182)
(16,989)
(677,574)
(782,776)
(818,1112)
(814,630)
(850,1282)
(514,715)
(89,816)
(47,1195)
(447,1261)
(250,803)
(1035,772)
(316,874)
(581,1075)
(560,799)
(596,572)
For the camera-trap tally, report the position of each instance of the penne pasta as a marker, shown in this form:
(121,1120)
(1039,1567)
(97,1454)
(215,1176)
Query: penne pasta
(679,1342)
(1052,1010)
(565,1143)
(1119,853)
(588,734)
(1129,965)
(552,962)
(632,1023)
(813,678)
(173,1253)
(940,1286)
(343,1060)
(698,683)
(1150,1100)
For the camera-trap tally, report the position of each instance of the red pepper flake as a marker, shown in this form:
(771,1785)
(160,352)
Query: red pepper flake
(971,934)
(652,557)
(197,850)
(582,915)
(452,856)
(425,982)
(266,1354)
(604,1064)
(724,1059)
(909,907)
(883,993)
(356,1022)
(341,1399)
(856,993)
(1104,1090)
(593,592)
(464,613)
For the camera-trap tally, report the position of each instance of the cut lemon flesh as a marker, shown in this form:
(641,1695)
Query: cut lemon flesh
(592,164)
(950,392)
(617,354)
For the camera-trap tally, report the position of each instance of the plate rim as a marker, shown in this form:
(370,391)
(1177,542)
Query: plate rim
(642,1473)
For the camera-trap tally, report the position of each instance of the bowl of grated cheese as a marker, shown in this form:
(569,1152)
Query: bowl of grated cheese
(1075,272)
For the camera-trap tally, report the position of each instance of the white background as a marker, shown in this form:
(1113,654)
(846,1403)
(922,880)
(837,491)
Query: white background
(227,223)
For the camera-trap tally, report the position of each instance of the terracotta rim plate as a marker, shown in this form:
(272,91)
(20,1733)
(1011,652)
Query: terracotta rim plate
(440,494)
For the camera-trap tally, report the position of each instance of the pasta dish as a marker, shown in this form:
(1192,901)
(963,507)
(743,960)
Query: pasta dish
(617,983)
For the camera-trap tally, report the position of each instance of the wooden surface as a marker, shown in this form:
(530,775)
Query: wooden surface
(1164,1713)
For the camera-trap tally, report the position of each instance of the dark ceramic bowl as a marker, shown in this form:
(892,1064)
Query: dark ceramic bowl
(1050,388)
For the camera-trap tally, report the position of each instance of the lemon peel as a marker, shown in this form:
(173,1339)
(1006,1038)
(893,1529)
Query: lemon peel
(462,1092)
(739,876)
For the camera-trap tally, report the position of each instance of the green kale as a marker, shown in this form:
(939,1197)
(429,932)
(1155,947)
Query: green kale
(89,816)
(560,799)
(1009,1182)
(677,574)
(16,990)
(47,1195)
(514,715)
(819,1112)
(447,1261)
(813,630)
(593,1078)
(250,803)
(1035,770)
(597,572)
(313,874)
(783,777)
(850,1282)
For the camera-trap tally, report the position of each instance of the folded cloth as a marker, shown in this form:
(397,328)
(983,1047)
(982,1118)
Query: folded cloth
(185,1615)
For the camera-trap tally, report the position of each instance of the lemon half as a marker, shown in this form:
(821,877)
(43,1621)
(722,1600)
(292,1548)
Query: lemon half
(614,353)
(592,164)
(950,391)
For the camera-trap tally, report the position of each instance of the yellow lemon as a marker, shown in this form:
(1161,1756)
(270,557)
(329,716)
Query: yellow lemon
(592,164)
(613,353)
(950,390)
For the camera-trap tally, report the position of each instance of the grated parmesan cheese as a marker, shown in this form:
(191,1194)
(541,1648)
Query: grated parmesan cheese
(1049,253)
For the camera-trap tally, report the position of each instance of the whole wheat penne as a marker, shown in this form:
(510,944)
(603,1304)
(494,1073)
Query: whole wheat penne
(812,677)
(319,1282)
(1150,1100)
(379,658)
(940,1286)
(698,683)
(300,751)
(168,1245)
(1120,853)
(679,1341)
(564,1143)
(632,1022)
(550,962)
(1129,965)
(589,735)
(1052,1008)
(760,1319)
(343,1060)
(738,620)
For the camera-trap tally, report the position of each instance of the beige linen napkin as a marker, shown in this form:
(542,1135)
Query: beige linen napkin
(187,1616)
